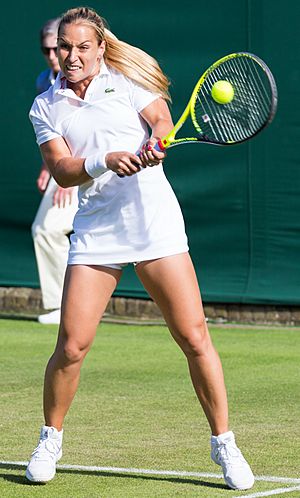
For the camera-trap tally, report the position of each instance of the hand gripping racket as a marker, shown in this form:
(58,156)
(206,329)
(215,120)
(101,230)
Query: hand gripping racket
(247,106)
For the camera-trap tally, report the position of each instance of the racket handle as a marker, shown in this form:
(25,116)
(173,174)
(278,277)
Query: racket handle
(159,146)
(123,176)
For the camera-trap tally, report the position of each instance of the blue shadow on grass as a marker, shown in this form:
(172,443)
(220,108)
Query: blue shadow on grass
(21,480)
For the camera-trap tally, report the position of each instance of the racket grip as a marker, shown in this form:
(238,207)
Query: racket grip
(123,176)
(159,146)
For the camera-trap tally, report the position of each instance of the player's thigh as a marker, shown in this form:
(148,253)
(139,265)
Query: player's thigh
(173,285)
(87,291)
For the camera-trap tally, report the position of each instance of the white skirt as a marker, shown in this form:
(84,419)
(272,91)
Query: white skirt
(126,220)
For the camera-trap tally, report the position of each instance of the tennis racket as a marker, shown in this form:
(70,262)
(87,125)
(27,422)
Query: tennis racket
(248,106)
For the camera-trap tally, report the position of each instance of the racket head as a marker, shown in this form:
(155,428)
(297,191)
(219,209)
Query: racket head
(252,108)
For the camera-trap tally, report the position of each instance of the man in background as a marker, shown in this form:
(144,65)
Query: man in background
(54,219)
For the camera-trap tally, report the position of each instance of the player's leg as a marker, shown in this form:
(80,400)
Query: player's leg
(172,283)
(86,294)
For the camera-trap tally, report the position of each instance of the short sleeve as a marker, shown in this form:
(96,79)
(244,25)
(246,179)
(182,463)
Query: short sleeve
(142,97)
(44,131)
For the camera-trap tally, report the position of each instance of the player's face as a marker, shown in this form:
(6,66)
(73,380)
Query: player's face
(79,53)
(49,47)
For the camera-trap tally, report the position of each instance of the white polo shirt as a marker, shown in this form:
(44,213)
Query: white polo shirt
(119,220)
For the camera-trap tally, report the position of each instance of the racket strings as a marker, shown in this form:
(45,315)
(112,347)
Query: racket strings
(249,109)
(236,118)
(247,91)
(255,87)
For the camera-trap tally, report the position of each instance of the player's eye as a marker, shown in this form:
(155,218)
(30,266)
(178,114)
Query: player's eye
(64,46)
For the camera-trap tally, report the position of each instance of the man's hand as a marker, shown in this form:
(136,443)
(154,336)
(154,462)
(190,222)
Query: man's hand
(43,179)
(62,197)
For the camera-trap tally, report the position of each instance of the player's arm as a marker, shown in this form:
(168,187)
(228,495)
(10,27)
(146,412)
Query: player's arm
(68,171)
(159,119)
(54,155)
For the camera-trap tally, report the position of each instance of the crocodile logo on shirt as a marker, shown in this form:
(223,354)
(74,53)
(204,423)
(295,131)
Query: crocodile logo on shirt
(109,90)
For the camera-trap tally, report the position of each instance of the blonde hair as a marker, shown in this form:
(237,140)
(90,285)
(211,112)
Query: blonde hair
(127,59)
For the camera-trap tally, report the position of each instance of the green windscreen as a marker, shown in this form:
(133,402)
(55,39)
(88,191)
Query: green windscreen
(241,204)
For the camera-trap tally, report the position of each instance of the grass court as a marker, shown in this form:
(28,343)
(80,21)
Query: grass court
(135,429)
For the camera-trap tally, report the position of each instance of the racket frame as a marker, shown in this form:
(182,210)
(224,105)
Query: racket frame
(170,141)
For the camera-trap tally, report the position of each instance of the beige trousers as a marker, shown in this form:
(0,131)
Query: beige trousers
(50,230)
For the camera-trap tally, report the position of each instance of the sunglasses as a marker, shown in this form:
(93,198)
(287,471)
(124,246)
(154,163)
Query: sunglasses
(47,50)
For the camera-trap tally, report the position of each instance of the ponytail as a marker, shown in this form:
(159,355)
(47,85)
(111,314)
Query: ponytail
(136,65)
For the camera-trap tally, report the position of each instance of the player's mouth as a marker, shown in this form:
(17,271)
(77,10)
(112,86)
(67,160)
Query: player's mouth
(72,68)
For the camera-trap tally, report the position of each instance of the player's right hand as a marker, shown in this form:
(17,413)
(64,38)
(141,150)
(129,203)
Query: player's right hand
(123,163)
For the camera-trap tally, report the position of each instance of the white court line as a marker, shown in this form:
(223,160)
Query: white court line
(288,480)
(125,470)
(273,492)
(176,473)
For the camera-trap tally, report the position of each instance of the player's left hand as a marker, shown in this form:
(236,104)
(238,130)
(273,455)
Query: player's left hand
(150,156)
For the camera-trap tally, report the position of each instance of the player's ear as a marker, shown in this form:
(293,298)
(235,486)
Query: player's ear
(101,49)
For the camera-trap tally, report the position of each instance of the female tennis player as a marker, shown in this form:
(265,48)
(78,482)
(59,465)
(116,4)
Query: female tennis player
(90,127)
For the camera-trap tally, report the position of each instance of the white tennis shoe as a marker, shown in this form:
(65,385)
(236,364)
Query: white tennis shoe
(42,465)
(50,318)
(224,452)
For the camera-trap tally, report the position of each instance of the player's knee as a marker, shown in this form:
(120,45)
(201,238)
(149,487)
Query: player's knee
(72,352)
(195,340)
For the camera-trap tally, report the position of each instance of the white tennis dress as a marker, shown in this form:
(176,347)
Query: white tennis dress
(120,220)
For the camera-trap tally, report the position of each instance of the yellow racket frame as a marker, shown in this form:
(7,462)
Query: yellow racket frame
(169,140)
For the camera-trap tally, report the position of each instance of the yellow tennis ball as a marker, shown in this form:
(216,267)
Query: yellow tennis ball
(222,92)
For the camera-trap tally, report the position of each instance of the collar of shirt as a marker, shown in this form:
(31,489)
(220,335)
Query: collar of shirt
(51,77)
(60,85)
